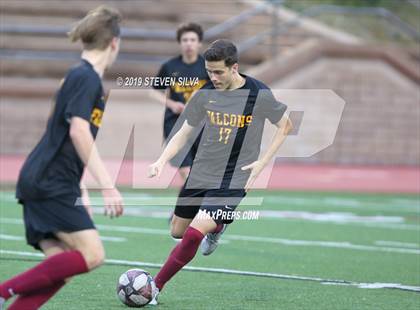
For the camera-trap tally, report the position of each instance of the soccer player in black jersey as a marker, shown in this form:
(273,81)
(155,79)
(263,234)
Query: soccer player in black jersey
(189,64)
(232,108)
(48,185)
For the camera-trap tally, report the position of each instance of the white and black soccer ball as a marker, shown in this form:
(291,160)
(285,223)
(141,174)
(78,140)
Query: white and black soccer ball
(136,287)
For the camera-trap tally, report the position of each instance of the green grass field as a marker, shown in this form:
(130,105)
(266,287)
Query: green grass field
(352,237)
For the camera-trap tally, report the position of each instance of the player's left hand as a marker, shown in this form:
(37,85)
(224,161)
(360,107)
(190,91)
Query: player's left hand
(256,167)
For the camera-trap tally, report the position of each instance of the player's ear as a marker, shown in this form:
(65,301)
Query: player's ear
(115,43)
(235,68)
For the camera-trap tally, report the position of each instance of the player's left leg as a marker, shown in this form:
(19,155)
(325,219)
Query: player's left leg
(211,240)
(35,300)
(223,215)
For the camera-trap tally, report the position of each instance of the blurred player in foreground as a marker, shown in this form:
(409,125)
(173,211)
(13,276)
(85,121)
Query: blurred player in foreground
(232,108)
(49,182)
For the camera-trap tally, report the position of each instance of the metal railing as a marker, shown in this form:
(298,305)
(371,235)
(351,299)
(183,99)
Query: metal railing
(278,29)
(218,30)
(370,11)
(139,33)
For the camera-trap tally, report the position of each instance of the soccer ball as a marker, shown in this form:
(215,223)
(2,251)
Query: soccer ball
(135,288)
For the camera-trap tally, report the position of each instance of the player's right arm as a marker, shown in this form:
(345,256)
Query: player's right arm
(178,141)
(82,91)
(83,142)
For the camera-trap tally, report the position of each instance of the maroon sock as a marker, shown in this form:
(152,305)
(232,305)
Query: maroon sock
(218,229)
(181,255)
(36,299)
(51,271)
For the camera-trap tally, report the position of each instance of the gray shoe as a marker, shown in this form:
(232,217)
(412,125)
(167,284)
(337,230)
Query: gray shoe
(211,241)
(2,302)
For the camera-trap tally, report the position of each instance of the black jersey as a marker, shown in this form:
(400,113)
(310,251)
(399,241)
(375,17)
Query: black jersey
(54,168)
(233,127)
(182,92)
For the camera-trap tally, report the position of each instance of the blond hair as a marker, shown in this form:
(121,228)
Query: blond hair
(97,28)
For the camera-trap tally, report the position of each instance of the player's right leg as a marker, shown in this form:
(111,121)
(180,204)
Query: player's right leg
(186,209)
(187,206)
(185,251)
(45,219)
(178,226)
(49,274)
(184,166)
(35,300)
(86,253)
(88,243)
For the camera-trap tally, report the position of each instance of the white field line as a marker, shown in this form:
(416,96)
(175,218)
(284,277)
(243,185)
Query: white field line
(327,244)
(344,202)
(11,237)
(382,225)
(119,262)
(340,217)
(20,238)
(337,218)
(230,237)
(398,244)
(403,205)
(113,239)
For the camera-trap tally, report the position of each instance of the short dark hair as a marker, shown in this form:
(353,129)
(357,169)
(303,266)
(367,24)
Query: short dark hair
(189,27)
(222,50)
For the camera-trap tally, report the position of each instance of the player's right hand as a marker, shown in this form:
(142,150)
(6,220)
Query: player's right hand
(113,202)
(155,169)
(176,107)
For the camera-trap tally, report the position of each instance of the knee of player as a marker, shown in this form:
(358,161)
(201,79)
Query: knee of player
(176,231)
(94,257)
(96,260)
(176,235)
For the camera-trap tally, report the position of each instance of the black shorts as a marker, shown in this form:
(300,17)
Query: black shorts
(44,218)
(180,160)
(218,203)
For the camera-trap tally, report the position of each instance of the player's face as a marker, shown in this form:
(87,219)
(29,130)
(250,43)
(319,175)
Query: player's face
(190,44)
(220,75)
(115,48)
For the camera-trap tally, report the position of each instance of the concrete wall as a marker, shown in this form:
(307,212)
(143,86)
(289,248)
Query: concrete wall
(380,122)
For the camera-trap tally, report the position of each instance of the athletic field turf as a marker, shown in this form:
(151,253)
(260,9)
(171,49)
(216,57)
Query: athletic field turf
(338,248)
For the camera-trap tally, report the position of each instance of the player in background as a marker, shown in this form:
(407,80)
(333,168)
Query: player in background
(49,182)
(189,64)
(233,108)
